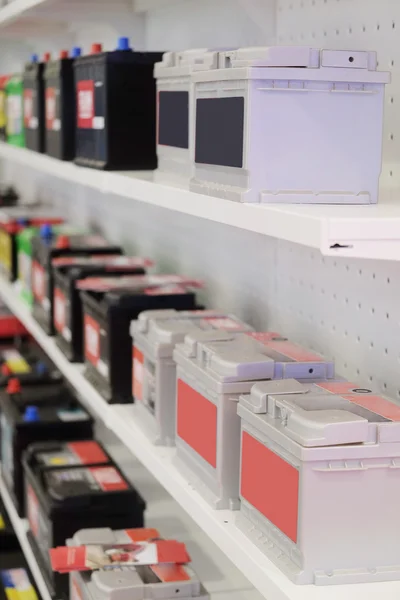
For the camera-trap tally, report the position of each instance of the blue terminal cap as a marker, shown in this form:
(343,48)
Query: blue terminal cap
(123,43)
(41,368)
(34,58)
(46,231)
(31,414)
(76,52)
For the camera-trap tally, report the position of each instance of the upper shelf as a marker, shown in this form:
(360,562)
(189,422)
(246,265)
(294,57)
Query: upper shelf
(348,231)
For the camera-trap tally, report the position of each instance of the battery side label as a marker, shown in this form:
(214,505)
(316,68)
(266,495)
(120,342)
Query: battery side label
(60,311)
(197,422)
(85,104)
(270,484)
(25,270)
(16,585)
(92,339)
(33,510)
(342,387)
(39,282)
(108,479)
(30,119)
(265,337)
(137,374)
(53,122)
(14,114)
(88,452)
(15,362)
(165,290)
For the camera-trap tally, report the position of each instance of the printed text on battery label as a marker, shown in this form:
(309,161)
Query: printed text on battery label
(85,104)
(92,340)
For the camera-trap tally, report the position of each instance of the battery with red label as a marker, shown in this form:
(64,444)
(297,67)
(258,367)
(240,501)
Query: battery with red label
(211,375)
(320,480)
(60,107)
(70,487)
(109,305)
(34,414)
(68,315)
(53,243)
(116,108)
(34,110)
(155,334)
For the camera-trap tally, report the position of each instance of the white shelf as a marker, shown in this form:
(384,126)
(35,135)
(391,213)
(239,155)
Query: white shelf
(371,232)
(21,527)
(218,525)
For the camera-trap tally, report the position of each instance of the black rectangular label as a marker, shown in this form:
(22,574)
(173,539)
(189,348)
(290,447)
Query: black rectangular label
(173,119)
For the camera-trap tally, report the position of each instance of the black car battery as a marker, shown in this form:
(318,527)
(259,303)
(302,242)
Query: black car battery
(34,120)
(23,358)
(60,106)
(8,539)
(16,581)
(35,414)
(116,108)
(53,243)
(12,221)
(109,305)
(69,487)
(68,314)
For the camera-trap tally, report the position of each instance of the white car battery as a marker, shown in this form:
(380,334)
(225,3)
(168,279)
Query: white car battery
(155,334)
(290,124)
(211,375)
(175,122)
(320,480)
(156,582)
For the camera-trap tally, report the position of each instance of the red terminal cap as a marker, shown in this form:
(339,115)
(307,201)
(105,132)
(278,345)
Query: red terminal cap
(13,386)
(96,49)
(46,57)
(64,54)
(62,242)
(5,370)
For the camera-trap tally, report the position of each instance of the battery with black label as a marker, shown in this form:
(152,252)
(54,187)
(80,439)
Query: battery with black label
(109,305)
(35,414)
(55,242)
(16,581)
(60,106)
(116,108)
(69,487)
(34,103)
(14,220)
(8,539)
(67,271)
(24,359)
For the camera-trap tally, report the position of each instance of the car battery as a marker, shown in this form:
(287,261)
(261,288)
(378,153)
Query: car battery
(68,314)
(257,137)
(24,359)
(13,220)
(16,581)
(109,305)
(8,539)
(33,414)
(15,131)
(34,106)
(116,108)
(71,486)
(10,326)
(3,107)
(329,464)
(175,120)
(155,334)
(53,243)
(60,106)
(211,375)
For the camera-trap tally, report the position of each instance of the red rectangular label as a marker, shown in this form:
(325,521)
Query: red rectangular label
(50,108)
(109,479)
(60,309)
(33,510)
(28,107)
(88,452)
(376,404)
(170,573)
(137,374)
(38,281)
(270,484)
(92,340)
(85,104)
(197,422)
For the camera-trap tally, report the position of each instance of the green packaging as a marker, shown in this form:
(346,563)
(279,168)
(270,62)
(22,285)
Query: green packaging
(15,111)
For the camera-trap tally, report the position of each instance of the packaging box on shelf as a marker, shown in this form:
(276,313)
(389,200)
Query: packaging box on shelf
(289,124)
(109,305)
(34,113)
(116,108)
(167,581)
(55,242)
(24,359)
(15,111)
(155,335)
(71,486)
(175,114)
(325,509)
(14,220)
(16,580)
(60,105)
(211,375)
(3,107)
(31,414)
(68,312)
